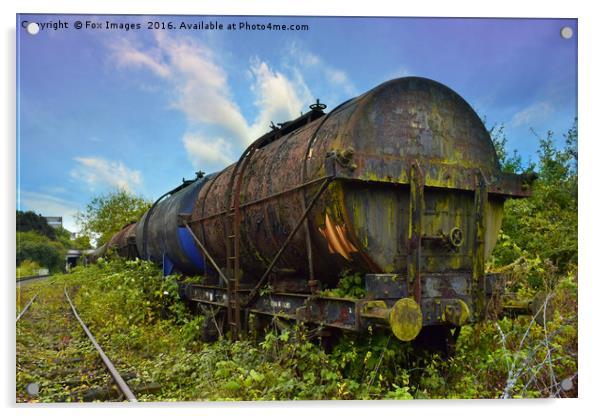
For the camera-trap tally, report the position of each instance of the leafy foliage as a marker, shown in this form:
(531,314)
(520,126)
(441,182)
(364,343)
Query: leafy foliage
(540,232)
(39,243)
(509,163)
(30,221)
(106,214)
(41,249)
(28,268)
(350,285)
(81,242)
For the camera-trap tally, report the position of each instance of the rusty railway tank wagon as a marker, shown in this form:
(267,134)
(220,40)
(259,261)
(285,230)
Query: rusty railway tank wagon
(401,185)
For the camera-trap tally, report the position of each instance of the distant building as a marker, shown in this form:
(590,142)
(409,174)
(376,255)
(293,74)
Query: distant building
(55,222)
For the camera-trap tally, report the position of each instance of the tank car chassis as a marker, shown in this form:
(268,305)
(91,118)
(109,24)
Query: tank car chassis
(406,301)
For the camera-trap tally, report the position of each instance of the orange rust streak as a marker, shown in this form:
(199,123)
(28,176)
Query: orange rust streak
(337,242)
(333,239)
(330,249)
(341,231)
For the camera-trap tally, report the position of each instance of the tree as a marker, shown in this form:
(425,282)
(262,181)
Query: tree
(509,163)
(108,213)
(81,242)
(30,221)
(542,229)
(39,248)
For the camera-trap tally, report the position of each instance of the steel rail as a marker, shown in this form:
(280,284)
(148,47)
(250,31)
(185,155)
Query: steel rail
(125,389)
(26,307)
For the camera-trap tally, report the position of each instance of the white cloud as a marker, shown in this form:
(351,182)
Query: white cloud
(201,85)
(49,206)
(96,171)
(128,56)
(277,96)
(203,151)
(532,113)
(198,83)
(277,99)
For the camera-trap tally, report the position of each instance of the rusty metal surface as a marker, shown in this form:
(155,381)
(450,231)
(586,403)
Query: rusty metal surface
(232,236)
(414,242)
(411,119)
(124,242)
(478,255)
(444,297)
(291,235)
(360,221)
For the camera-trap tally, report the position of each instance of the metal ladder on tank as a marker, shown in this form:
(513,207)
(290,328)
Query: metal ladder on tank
(232,232)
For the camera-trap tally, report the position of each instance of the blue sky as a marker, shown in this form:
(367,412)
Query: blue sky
(141,109)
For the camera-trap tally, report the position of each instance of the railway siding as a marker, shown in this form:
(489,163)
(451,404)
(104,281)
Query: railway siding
(55,360)
(136,316)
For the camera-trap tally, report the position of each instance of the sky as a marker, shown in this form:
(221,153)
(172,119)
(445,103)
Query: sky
(140,109)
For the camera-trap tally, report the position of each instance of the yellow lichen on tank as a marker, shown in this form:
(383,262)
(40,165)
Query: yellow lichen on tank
(431,262)
(359,217)
(371,176)
(456,262)
(403,177)
(456,312)
(494,212)
(448,156)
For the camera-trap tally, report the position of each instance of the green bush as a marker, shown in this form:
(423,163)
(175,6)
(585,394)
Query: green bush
(27,268)
(540,233)
(39,248)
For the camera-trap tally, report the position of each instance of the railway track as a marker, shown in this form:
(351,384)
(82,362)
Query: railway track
(31,279)
(26,308)
(58,358)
